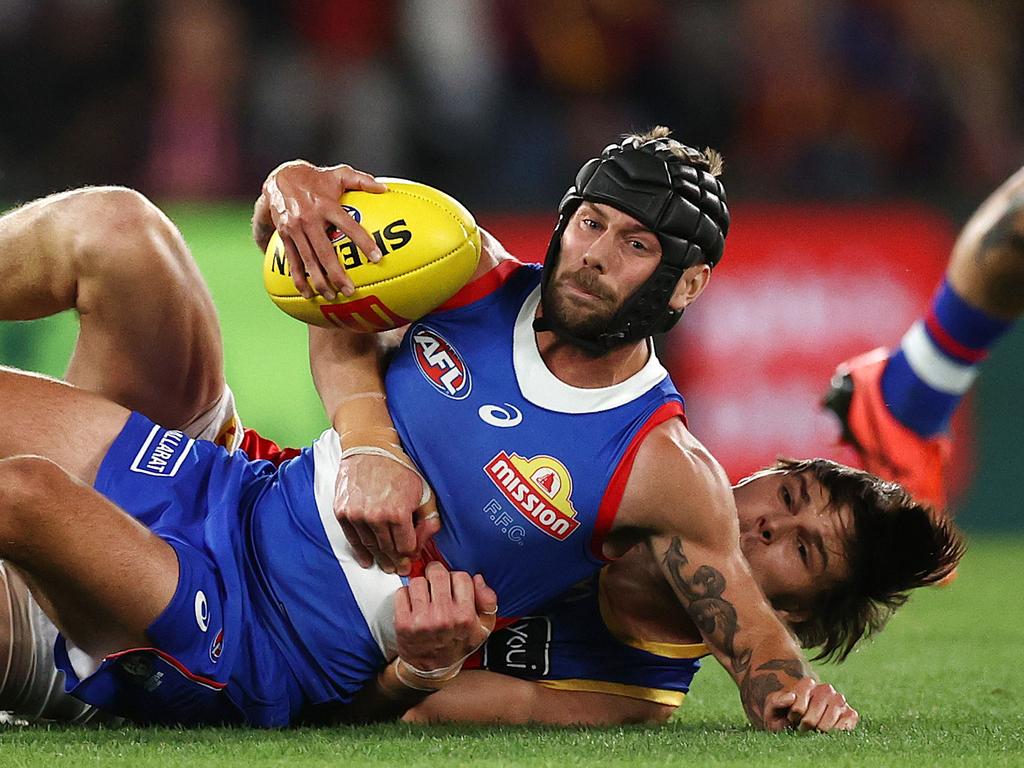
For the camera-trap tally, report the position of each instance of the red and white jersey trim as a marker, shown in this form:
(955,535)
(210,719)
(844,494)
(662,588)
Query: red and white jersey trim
(488,282)
(617,485)
(374,590)
(541,387)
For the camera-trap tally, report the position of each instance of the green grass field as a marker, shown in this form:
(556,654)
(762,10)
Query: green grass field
(940,687)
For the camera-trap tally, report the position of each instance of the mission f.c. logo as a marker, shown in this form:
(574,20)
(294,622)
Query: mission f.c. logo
(539,488)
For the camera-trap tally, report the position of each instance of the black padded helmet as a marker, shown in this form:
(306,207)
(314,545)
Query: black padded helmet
(669,188)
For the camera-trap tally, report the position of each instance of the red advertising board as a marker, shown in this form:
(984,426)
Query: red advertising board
(800,289)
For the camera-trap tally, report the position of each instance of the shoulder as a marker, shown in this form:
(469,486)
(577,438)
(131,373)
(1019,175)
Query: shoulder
(495,267)
(676,484)
(492,255)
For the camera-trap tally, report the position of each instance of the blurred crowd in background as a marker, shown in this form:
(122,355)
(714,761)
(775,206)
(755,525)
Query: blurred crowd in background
(498,101)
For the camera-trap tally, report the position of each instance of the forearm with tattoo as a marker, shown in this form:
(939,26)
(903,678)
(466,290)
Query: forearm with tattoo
(716,618)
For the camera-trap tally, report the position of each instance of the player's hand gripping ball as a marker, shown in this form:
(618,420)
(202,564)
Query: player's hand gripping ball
(430,245)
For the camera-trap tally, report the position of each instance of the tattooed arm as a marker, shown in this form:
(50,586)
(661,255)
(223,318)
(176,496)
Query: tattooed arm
(679,498)
(987,265)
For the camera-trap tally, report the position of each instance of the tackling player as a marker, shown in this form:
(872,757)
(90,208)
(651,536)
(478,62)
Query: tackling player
(570,422)
(159,453)
(832,619)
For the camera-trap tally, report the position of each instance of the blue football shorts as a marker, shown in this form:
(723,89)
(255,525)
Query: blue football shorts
(209,660)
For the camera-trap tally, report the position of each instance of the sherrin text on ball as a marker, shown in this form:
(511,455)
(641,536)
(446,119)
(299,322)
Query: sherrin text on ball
(431,246)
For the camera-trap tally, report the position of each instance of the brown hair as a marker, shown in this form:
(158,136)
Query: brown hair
(896,545)
(710,158)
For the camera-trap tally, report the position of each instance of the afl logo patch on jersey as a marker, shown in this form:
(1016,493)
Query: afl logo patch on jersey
(440,363)
(539,488)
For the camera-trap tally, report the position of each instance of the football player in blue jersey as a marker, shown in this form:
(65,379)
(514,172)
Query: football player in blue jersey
(170,568)
(567,352)
(616,218)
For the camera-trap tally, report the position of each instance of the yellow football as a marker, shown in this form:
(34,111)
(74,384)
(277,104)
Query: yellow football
(431,246)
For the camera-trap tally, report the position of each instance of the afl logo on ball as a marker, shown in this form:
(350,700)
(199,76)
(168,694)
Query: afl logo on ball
(440,363)
(336,234)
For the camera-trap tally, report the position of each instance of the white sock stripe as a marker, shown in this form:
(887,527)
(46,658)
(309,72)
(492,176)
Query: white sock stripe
(932,366)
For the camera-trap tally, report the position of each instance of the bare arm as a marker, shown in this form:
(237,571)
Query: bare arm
(479,696)
(987,265)
(383,506)
(690,518)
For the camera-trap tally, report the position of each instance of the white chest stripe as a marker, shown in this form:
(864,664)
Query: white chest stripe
(373,589)
(541,387)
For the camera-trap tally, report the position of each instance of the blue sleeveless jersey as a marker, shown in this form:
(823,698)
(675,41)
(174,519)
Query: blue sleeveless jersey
(575,643)
(528,471)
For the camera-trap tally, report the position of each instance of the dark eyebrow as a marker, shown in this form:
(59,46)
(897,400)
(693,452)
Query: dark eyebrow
(804,496)
(640,230)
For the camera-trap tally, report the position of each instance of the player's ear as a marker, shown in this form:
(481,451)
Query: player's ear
(691,285)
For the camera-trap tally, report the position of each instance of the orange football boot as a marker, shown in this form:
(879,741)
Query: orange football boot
(886,447)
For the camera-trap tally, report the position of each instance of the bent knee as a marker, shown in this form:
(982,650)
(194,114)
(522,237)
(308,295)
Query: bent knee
(27,475)
(131,242)
(28,486)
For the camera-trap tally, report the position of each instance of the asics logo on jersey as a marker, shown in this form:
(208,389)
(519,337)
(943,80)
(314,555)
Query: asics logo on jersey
(496,416)
(440,363)
(202,611)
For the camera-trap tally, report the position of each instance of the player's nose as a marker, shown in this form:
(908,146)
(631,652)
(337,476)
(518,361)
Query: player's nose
(598,252)
(771,527)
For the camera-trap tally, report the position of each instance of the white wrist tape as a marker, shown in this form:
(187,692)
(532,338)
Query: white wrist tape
(432,678)
(373,450)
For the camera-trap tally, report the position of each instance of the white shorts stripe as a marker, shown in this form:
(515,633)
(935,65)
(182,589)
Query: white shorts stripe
(373,589)
(932,366)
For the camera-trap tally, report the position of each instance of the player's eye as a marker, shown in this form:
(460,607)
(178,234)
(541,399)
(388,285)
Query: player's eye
(787,498)
(589,223)
(637,245)
(802,549)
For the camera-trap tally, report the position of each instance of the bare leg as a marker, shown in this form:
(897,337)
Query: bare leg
(149,337)
(45,417)
(104,585)
(32,687)
(895,406)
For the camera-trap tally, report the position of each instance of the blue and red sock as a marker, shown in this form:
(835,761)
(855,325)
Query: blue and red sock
(937,362)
